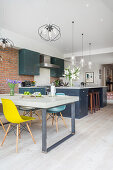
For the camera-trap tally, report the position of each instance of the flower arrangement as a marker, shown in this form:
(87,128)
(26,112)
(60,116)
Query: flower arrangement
(12,84)
(33,83)
(72,74)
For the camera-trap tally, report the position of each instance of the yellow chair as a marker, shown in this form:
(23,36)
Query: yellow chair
(12,115)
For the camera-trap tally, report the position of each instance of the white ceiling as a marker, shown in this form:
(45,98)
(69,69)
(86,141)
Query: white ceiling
(94,18)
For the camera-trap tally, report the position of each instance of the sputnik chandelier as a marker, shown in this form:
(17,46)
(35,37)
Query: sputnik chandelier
(5,42)
(49,32)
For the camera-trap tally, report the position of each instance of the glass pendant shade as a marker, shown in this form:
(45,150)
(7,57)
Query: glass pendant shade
(82,61)
(73,57)
(90,62)
(49,32)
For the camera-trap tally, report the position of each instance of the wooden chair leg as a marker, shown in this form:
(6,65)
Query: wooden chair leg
(56,122)
(47,116)
(38,117)
(91,104)
(96,102)
(19,131)
(30,116)
(63,120)
(3,126)
(24,113)
(30,133)
(53,119)
(6,134)
(99,101)
(17,138)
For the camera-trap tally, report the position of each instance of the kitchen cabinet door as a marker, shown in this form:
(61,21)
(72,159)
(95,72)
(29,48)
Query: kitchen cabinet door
(84,102)
(28,62)
(57,72)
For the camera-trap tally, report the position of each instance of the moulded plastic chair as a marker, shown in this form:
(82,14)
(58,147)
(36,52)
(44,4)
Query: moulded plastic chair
(53,113)
(12,115)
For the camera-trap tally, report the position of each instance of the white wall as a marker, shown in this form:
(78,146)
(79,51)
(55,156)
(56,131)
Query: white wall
(43,78)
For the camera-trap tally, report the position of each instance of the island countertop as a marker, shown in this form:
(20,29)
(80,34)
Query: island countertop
(73,87)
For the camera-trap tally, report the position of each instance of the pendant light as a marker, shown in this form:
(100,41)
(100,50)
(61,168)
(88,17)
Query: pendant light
(82,61)
(73,57)
(89,62)
(5,42)
(49,32)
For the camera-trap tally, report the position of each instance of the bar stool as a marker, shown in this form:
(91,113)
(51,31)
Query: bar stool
(97,99)
(91,101)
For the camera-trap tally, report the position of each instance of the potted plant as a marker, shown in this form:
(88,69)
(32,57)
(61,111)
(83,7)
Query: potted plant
(12,84)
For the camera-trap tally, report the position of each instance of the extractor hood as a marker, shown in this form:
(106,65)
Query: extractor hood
(45,62)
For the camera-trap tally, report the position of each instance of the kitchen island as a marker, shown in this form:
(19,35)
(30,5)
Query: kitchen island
(81,108)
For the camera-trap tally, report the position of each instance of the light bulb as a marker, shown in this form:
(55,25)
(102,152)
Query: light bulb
(3,45)
(72,57)
(55,32)
(89,64)
(73,62)
(82,62)
(50,34)
(44,31)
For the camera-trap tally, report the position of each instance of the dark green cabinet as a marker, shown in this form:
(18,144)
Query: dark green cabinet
(57,72)
(29,62)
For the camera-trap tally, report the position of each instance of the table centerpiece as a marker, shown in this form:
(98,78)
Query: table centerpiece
(12,84)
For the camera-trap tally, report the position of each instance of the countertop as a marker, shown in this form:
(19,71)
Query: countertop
(65,87)
(34,87)
(93,87)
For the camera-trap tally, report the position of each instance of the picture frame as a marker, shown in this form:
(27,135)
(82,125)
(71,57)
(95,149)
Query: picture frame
(89,77)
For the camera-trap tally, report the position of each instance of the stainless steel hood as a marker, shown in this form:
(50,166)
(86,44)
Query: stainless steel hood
(45,62)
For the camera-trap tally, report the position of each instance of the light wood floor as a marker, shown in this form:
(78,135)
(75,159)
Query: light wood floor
(90,149)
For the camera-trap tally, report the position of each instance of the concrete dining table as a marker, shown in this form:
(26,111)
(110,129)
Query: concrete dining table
(45,102)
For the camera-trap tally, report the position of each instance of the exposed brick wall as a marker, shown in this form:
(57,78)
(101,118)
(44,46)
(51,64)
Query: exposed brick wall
(9,70)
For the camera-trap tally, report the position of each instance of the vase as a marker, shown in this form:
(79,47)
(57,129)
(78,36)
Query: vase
(71,82)
(11,91)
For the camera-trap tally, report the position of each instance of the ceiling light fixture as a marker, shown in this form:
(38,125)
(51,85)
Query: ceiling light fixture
(73,57)
(49,32)
(89,62)
(82,61)
(5,42)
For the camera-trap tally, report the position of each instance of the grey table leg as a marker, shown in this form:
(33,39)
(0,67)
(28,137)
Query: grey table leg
(73,118)
(44,131)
